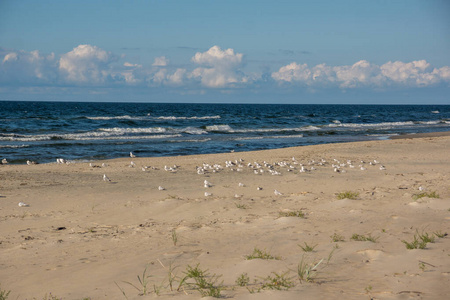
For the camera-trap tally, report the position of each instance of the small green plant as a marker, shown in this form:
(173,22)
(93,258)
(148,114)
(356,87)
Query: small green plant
(4,294)
(422,266)
(439,234)
(143,283)
(170,274)
(347,195)
(305,270)
(174,237)
(363,238)
(241,206)
(420,241)
(415,244)
(243,280)
(307,247)
(203,282)
(425,194)
(258,253)
(337,238)
(277,282)
(368,289)
(296,213)
(427,238)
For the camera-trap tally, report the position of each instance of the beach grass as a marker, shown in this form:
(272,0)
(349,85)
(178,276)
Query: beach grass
(364,238)
(425,194)
(347,195)
(261,254)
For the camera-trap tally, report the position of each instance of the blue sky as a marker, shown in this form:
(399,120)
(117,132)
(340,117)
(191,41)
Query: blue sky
(226,51)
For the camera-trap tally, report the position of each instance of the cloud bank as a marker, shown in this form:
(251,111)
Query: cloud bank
(364,74)
(215,68)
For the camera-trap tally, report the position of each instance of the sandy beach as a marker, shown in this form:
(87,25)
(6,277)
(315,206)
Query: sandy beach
(84,237)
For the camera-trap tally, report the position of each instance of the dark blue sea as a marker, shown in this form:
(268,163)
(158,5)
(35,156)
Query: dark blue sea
(44,131)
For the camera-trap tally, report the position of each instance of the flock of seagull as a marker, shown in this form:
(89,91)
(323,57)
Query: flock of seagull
(240,165)
(265,167)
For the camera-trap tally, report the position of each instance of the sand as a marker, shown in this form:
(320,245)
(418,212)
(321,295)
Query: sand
(82,237)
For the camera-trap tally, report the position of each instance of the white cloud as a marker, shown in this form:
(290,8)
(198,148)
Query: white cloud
(293,72)
(22,66)
(215,68)
(86,64)
(364,74)
(161,61)
(220,68)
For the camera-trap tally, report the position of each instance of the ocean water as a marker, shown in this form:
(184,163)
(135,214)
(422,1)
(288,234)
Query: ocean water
(44,131)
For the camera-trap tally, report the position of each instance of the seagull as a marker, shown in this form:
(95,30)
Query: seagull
(277,193)
(241,184)
(29,162)
(259,188)
(421,189)
(132,155)
(106,178)
(207,184)
(161,188)
(22,204)
(382,167)
(207,194)
(4,161)
(132,164)
(237,196)
(104,165)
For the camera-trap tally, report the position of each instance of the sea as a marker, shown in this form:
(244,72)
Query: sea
(81,132)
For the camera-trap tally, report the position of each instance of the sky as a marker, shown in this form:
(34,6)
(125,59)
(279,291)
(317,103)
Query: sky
(299,52)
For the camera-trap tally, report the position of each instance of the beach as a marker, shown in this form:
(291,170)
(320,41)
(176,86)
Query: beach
(84,237)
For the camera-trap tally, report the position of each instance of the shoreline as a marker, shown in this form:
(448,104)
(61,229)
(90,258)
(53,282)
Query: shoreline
(102,234)
(392,137)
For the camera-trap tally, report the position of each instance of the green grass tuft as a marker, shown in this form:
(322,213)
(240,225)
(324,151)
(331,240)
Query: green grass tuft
(347,195)
(307,247)
(363,238)
(425,194)
(260,254)
(297,213)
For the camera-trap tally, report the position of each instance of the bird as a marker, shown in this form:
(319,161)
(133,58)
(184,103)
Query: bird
(161,188)
(132,155)
(259,188)
(22,204)
(277,193)
(4,161)
(106,178)
(207,184)
(207,194)
(241,184)
(132,164)
(382,167)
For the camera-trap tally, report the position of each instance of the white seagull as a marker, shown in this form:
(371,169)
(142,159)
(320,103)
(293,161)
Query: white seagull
(22,204)
(161,188)
(277,193)
(106,178)
(132,155)
(207,184)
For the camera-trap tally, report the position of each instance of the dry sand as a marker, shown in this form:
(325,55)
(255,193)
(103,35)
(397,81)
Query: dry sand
(82,237)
